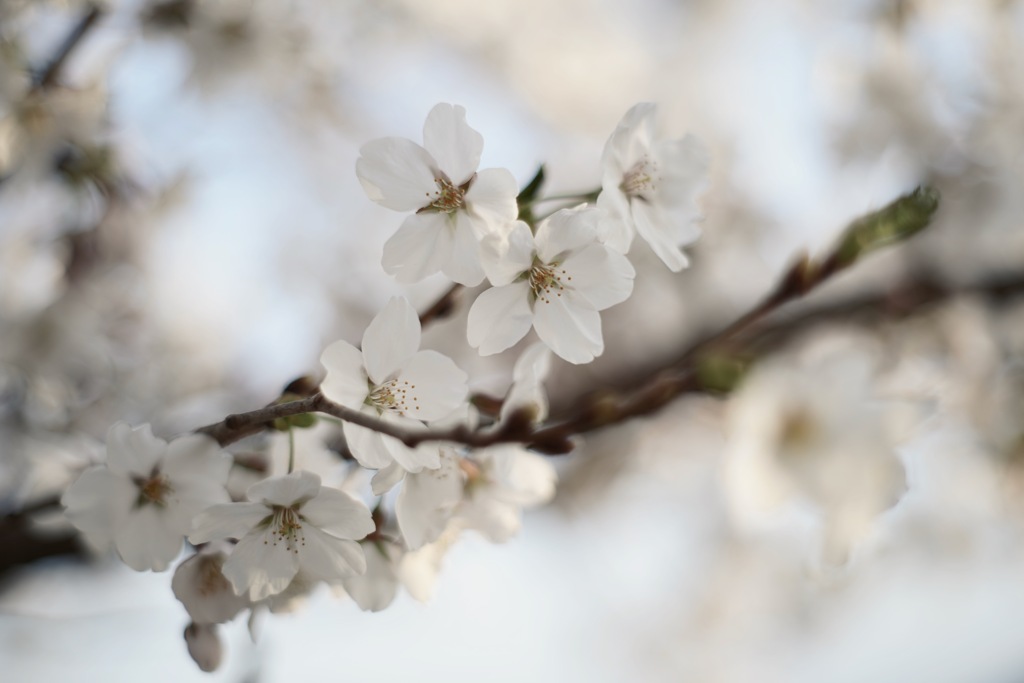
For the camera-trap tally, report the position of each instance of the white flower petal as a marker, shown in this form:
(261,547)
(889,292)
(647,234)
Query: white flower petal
(133,450)
(617,230)
(376,589)
(527,390)
(424,456)
(287,490)
(463,265)
(567,230)
(651,227)
(499,318)
(390,340)
(345,382)
(367,446)
(145,541)
(386,478)
(418,570)
(327,558)
(422,245)
(492,198)
(99,502)
(684,166)
(197,462)
(631,139)
(494,518)
(571,331)
(397,173)
(506,257)
(454,145)
(338,514)
(260,565)
(600,275)
(426,502)
(231,520)
(526,479)
(201,588)
(434,385)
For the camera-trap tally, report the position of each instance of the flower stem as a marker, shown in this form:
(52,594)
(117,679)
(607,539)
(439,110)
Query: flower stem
(291,449)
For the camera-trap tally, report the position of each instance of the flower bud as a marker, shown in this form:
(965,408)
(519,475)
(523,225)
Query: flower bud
(204,645)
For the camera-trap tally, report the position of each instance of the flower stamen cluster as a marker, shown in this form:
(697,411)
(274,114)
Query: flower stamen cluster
(153,491)
(393,396)
(286,527)
(546,278)
(450,197)
(641,179)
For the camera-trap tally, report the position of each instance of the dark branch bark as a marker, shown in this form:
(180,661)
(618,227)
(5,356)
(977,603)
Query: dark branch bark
(443,307)
(609,406)
(49,74)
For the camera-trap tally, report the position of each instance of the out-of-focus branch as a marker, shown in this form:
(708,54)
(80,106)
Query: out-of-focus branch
(21,542)
(443,307)
(47,77)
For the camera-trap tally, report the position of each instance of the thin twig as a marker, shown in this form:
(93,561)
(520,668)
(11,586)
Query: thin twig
(607,407)
(48,76)
(443,307)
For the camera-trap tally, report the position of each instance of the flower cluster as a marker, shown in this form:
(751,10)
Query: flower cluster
(293,532)
(554,275)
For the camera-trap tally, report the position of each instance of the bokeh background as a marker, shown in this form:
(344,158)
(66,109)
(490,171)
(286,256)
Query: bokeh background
(182,232)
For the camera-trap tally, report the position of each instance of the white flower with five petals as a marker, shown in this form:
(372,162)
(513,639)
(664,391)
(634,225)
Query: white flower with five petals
(291,523)
(556,282)
(145,496)
(650,186)
(391,379)
(455,205)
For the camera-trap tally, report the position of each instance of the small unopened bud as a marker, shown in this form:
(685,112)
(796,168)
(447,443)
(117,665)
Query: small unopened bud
(720,372)
(553,445)
(899,220)
(520,420)
(204,645)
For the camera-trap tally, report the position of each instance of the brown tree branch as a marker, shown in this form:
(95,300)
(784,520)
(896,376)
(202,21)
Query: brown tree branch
(607,407)
(49,74)
(443,307)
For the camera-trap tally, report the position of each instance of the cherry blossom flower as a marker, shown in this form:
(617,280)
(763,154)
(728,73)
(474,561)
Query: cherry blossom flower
(391,379)
(500,482)
(650,186)
(144,498)
(807,440)
(292,523)
(200,586)
(556,282)
(455,204)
